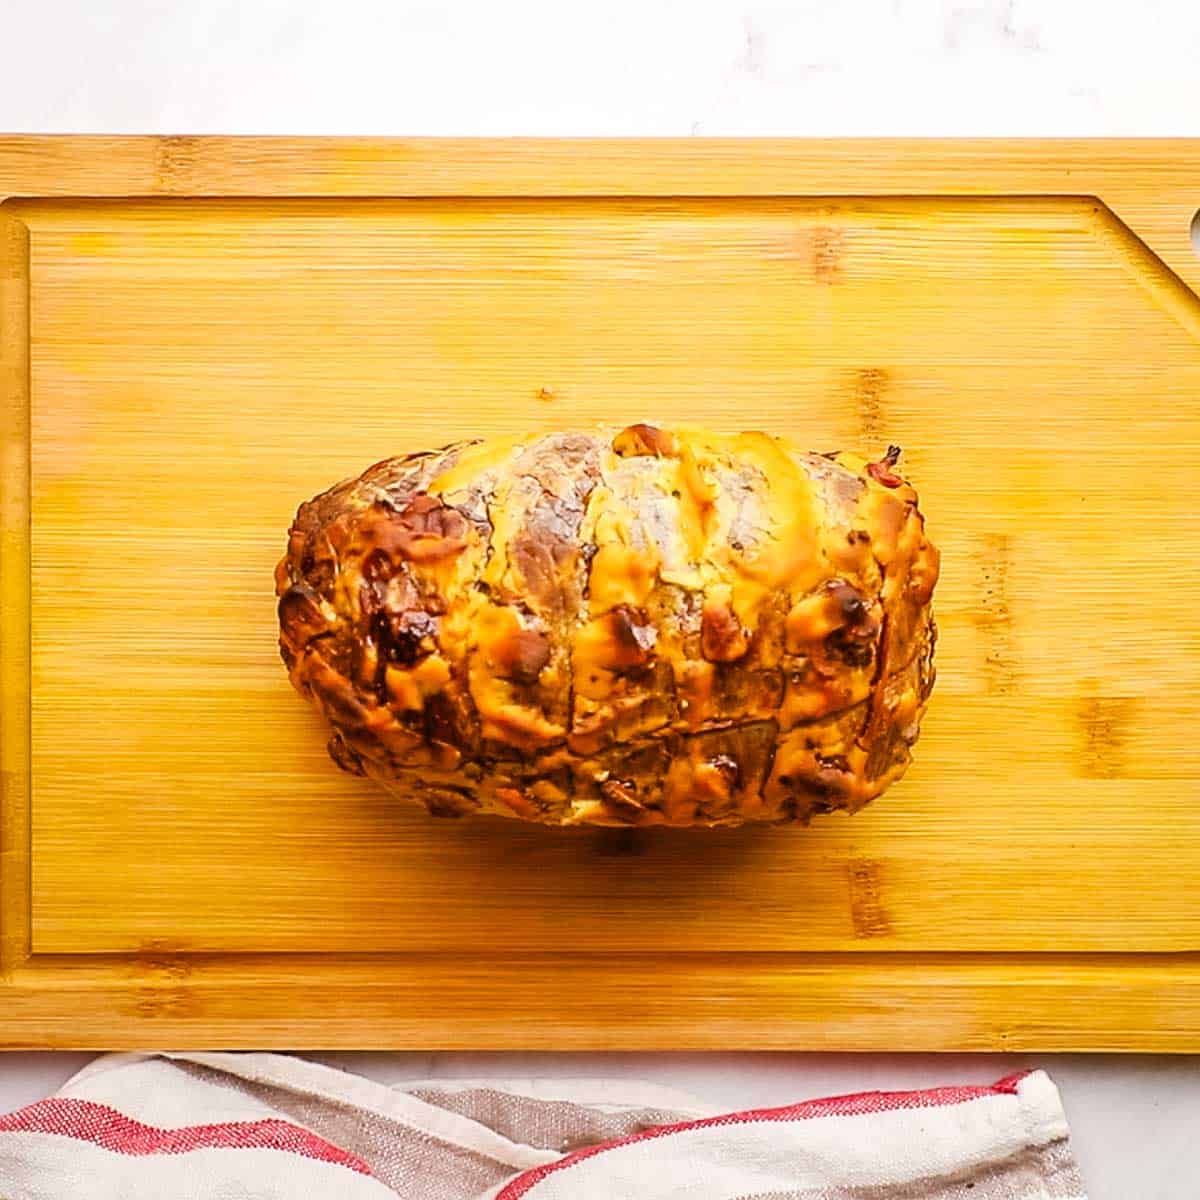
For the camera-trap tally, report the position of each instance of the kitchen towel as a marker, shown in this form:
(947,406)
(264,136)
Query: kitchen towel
(270,1127)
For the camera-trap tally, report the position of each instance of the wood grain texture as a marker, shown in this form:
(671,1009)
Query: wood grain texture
(243,321)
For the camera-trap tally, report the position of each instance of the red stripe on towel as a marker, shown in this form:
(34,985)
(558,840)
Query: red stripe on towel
(106,1127)
(855,1105)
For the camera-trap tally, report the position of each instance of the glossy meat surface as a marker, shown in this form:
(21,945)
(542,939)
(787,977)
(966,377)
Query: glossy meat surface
(651,627)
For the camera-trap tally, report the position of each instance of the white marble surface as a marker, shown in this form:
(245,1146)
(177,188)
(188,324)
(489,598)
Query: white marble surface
(636,67)
(813,67)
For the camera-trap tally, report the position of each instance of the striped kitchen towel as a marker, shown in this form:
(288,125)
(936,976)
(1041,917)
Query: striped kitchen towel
(270,1127)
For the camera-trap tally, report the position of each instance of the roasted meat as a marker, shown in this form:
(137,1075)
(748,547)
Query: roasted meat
(655,627)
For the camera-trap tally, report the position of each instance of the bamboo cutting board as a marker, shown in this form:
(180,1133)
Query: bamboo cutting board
(199,333)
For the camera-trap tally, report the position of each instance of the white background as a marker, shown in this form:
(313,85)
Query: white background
(495,67)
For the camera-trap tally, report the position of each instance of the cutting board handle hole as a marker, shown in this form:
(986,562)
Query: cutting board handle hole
(1196,232)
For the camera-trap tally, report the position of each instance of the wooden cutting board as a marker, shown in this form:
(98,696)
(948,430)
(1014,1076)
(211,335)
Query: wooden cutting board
(198,334)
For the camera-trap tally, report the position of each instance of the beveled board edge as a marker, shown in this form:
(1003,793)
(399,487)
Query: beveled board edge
(887,1002)
(1152,184)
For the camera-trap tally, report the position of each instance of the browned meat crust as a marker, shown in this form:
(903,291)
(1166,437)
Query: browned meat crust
(653,628)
